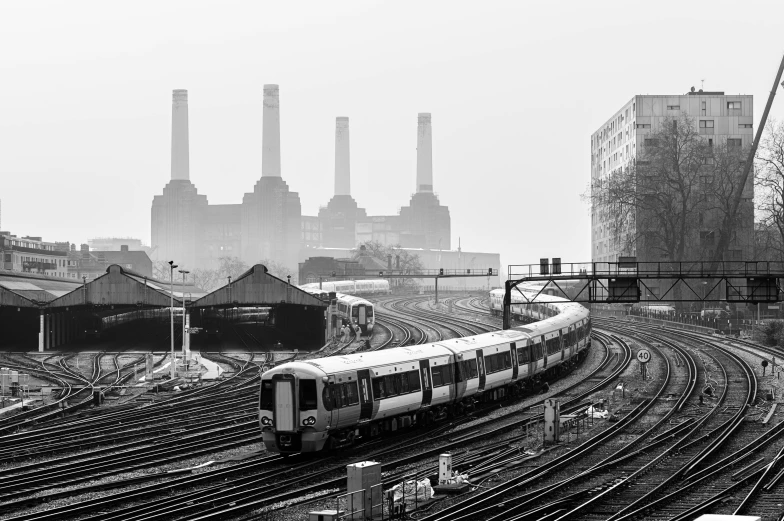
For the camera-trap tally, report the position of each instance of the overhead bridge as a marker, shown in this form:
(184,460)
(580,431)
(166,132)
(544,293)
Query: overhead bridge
(38,310)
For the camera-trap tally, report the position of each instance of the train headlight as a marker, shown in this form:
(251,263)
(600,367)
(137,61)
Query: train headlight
(310,420)
(266,421)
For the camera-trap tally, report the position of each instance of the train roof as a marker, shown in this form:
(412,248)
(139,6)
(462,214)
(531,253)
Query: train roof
(351,299)
(353,362)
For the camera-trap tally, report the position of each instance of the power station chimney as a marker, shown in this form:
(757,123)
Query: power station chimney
(342,162)
(424,154)
(180,162)
(270,137)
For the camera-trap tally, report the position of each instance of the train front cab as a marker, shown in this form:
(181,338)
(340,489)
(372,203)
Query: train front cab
(289,413)
(362,314)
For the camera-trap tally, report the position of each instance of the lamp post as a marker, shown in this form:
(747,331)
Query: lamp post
(184,272)
(171,314)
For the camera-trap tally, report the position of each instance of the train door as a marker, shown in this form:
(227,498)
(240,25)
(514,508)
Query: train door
(427,386)
(562,340)
(461,377)
(573,340)
(285,411)
(531,357)
(331,400)
(515,366)
(362,317)
(544,352)
(480,365)
(365,395)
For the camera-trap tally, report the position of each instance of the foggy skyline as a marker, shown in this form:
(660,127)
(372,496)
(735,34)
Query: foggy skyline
(515,91)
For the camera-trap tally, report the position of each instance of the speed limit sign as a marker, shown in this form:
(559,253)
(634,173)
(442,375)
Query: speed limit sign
(643,356)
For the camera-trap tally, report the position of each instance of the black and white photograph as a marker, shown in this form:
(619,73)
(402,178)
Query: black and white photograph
(373,260)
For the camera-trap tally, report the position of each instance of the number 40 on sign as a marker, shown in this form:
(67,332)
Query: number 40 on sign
(643,356)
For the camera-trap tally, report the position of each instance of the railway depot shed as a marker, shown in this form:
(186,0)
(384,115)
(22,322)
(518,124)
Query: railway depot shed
(46,312)
(293,311)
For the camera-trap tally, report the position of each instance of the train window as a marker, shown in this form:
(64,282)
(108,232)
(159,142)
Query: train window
(351,393)
(341,396)
(379,390)
(267,398)
(437,380)
(398,378)
(492,363)
(355,311)
(446,373)
(389,382)
(507,360)
(538,351)
(369,311)
(403,383)
(472,372)
(307,395)
(326,397)
(413,381)
(522,355)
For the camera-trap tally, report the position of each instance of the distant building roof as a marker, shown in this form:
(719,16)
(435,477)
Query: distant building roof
(34,287)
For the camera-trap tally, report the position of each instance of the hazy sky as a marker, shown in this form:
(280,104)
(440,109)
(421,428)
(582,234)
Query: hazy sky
(515,90)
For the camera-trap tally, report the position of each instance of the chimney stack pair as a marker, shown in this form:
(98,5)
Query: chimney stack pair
(270,139)
(424,155)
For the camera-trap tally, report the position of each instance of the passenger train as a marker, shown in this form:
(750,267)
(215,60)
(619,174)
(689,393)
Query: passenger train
(351,287)
(350,309)
(331,402)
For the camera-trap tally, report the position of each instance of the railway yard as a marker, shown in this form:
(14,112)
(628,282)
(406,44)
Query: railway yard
(700,432)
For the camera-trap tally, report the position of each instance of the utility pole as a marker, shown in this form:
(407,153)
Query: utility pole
(184,347)
(172,266)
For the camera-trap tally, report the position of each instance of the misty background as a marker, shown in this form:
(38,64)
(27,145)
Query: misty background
(515,90)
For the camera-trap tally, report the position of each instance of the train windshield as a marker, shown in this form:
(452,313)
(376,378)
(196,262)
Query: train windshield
(368,311)
(355,312)
(266,395)
(307,394)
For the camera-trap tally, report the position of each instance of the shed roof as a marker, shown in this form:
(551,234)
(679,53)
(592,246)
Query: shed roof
(256,287)
(31,290)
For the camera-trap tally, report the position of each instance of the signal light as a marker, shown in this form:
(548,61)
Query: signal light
(441,271)
(333,273)
(490,271)
(380,273)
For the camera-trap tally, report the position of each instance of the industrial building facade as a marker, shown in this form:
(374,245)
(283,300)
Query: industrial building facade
(720,120)
(268,225)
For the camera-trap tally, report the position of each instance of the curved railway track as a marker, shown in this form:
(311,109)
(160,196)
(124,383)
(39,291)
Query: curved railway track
(669,451)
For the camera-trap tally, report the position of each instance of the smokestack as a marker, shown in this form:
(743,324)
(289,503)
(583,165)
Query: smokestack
(270,137)
(424,154)
(342,163)
(180,162)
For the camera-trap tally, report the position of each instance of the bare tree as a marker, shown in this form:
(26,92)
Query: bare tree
(207,279)
(408,263)
(770,182)
(727,230)
(649,206)
(161,270)
(279,270)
